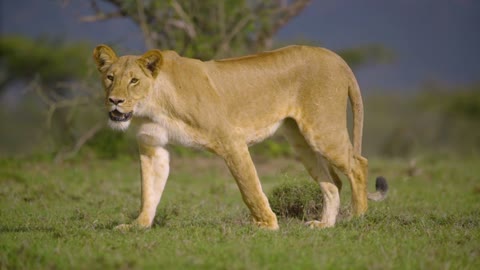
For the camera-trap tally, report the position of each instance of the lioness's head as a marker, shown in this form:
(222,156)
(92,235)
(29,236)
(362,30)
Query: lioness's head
(127,80)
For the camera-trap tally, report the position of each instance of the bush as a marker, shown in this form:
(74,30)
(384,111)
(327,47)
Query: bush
(301,200)
(109,143)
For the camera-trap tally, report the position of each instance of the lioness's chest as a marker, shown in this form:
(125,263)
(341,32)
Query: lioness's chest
(162,131)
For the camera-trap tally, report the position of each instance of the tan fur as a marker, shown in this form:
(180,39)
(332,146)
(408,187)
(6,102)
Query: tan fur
(224,106)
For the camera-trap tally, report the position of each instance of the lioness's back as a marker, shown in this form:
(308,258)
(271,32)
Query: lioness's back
(286,52)
(288,70)
(284,62)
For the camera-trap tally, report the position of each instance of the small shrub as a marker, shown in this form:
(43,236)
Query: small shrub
(302,200)
(108,143)
(276,146)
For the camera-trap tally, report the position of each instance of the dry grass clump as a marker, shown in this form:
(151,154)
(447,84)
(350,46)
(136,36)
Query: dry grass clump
(301,200)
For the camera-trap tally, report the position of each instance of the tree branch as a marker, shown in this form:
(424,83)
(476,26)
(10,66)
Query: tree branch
(284,13)
(144,26)
(224,44)
(188,25)
(101,17)
(63,155)
(288,13)
(180,24)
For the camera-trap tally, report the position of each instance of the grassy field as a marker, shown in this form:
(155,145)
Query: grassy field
(61,217)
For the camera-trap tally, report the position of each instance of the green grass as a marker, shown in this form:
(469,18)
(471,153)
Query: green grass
(61,217)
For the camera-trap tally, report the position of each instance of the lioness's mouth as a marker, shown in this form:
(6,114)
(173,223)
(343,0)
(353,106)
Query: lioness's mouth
(118,116)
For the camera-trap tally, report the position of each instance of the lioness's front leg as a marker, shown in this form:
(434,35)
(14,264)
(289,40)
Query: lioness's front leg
(155,169)
(243,170)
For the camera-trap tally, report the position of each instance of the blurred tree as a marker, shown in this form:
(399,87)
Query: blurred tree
(215,29)
(48,60)
(205,29)
(457,116)
(368,54)
(465,104)
(56,71)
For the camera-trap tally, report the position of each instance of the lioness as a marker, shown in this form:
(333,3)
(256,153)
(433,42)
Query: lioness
(226,105)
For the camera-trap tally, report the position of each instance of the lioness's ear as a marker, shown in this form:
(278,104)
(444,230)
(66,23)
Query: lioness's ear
(104,57)
(151,61)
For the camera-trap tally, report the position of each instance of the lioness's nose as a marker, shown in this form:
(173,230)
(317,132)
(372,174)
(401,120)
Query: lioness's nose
(115,101)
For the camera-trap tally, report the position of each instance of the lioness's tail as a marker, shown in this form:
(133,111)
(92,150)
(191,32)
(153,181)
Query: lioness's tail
(356,101)
(357,110)
(381,188)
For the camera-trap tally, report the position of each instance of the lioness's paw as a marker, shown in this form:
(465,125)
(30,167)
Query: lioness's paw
(267,225)
(318,224)
(129,227)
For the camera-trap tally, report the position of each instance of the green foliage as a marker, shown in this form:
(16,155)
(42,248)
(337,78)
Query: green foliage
(457,113)
(273,148)
(436,120)
(64,105)
(370,54)
(23,58)
(463,104)
(301,200)
(108,143)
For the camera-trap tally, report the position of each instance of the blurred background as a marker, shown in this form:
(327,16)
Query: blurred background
(417,63)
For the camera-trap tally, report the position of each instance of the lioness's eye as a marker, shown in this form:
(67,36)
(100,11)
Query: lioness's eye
(110,77)
(134,80)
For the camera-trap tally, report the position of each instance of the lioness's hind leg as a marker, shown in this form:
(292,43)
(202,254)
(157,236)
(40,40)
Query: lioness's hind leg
(320,171)
(338,151)
(331,206)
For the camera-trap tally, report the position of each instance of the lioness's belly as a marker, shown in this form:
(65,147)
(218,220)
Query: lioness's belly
(257,135)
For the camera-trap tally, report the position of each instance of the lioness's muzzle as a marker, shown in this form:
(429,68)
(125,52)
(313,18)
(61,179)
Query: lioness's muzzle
(118,116)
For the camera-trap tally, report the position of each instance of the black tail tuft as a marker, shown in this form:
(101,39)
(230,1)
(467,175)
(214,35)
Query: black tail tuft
(381,190)
(381,184)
